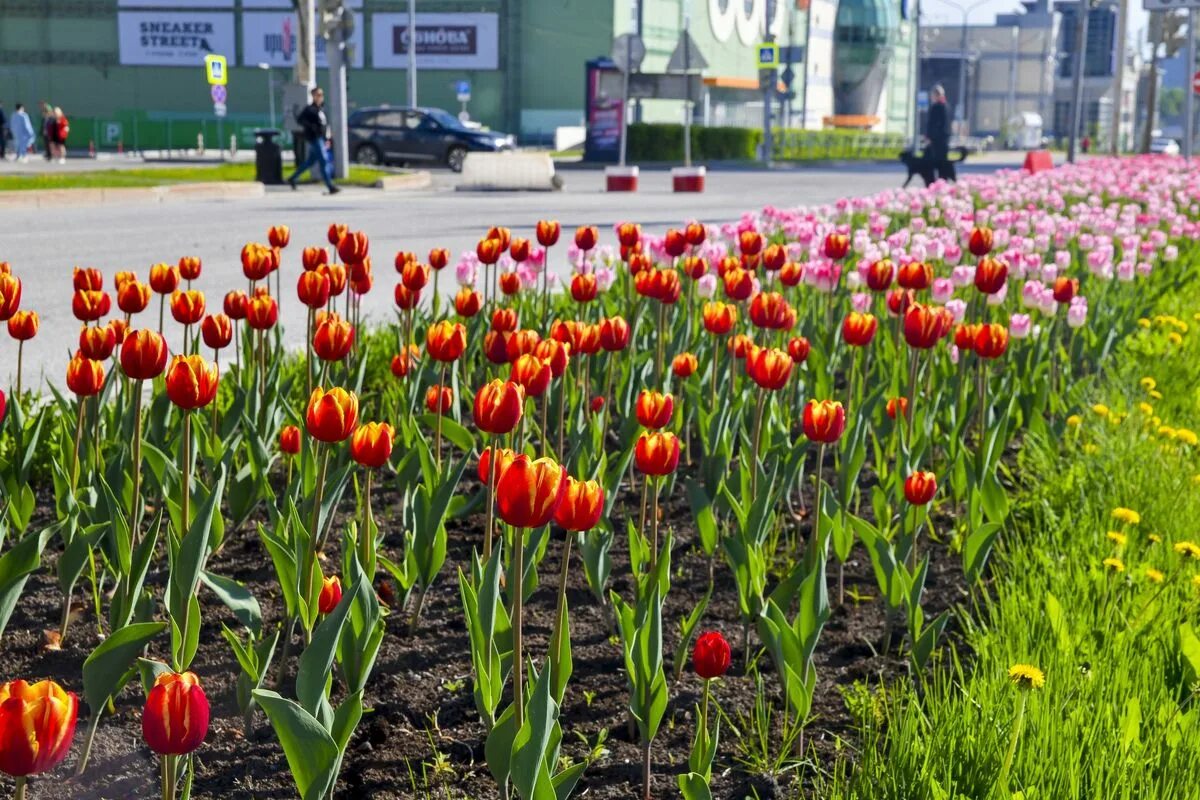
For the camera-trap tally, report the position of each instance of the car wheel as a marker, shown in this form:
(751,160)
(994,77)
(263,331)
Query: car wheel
(455,158)
(368,154)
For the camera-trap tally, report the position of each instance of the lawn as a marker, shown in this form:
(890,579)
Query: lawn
(160,176)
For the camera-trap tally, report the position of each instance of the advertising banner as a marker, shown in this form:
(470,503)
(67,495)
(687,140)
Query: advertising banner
(174,38)
(444,41)
(176,3)
(271,38)
(288,4)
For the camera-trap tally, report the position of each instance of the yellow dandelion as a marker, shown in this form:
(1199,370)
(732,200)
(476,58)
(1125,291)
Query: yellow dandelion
(1026,676)
(1143,323)
(1154,538)
(1100,409)
(1154,575)
(1181,325)
(1174,338)
(1091,449)
(1166,431)
(1074,421)
(1145,408)
(1156,394)
(1126,515)
(1115,564)
(1116,537)
(1196,581)
(1196,479)
(1117,419)
(1148,383)
(1187,436)
(1187,549)
(1156,421)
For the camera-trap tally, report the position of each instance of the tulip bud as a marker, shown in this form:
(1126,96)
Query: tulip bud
(175,717)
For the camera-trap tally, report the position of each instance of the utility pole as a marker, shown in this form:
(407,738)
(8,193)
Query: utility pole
(306,47)
(1077,115)
(769,79)
(412,53)
(1118,106)
(335,21)
(1188,91)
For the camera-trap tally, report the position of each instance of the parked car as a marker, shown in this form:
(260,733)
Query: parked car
(388,135)
(1164,146)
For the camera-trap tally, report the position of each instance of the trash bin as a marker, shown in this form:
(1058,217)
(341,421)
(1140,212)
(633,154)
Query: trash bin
(268,158)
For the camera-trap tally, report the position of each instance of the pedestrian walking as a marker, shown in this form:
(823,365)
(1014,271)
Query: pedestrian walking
(49,130)
(62,128)
(22,128)
(316,135)
(937,131)
(4,133)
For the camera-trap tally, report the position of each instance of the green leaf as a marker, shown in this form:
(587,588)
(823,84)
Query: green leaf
(693,787)
(452,431)
(105,670)
(15,568)
(237,598)
(311,753)
(1131,724)
(317,659)
(978,547)
(1059,624)
(1189,647)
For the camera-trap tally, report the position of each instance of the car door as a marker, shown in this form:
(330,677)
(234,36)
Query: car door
(390,135)
(426,137)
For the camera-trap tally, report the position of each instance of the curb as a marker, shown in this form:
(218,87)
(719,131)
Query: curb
(409,181)
(64,198)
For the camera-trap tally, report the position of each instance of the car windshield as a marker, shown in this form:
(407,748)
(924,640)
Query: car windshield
(443,118)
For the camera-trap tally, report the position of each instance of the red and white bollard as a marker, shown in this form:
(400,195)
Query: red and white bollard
(620,179)
(688,179)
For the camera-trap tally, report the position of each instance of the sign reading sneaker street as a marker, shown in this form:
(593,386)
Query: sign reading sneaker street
(173,38)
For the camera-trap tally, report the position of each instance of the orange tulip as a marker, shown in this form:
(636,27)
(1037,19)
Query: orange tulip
(504,319)
(164,278)
(719,318)
(371,444)
(586,237)
(333,338)
(187,306)
(337,278)
(122,277)
(489,251)
(405,298)
(980,242)
(10,295)
(332,415)
(352,248)
(495,346)
(519,250)
(858,329)
(964,336)
(739,284)
(504,457)
(85,377)
(657,453)
(581,506)
(133,296)
(279,235)
(331,594)
(439,258)
(313,257)
(501,235)
(143,354)
(37,724)
(990,275)
(555,353)
(992,340)
(191,381)
(467,302)
(289,440)
(522,342)
(175,718)
(403,362)
(915,275)
(740,345)
(837,245)
(235,305)
(629,233)
(97,342)
(445,341)
(897,404)
(922,326)
(880,275)
(439,399)
(654,409)
(583,287)
(1065,290)
(824,421)
(312,287)
(695,233)
(189,268)
(262,312)
(798,349)
(510,283)
(87,279)
(23,325)
(532,373)
(769,368)
(684,365)
(257,261)
(89,305)
(614,334)
(750,243)
(335,233)
(415,276)
(498,406)
(529,492)
(920,487)
(548,232)
(769,310)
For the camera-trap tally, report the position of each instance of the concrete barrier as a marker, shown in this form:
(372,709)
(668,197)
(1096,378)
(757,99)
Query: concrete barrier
(508,172)
(688,179)
(405,182)
(1038,161)
(621,179)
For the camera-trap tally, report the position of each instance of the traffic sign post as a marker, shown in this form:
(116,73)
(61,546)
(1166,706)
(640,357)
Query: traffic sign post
(216,70)
(462,90)
(1189,106)
(768,55)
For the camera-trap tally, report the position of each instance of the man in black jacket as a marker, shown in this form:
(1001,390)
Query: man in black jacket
(316,132)
(937,131)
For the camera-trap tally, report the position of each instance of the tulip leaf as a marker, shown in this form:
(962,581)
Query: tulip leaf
(188,561)
(311,752)
(594,548)
(702,513)
(126,597)
(16,566)
(530,774)
(317,659)
(239,599)
(977,549)
(105,670)
(452,431)
(693,786)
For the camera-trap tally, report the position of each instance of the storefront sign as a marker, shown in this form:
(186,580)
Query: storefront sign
(173,38)
(176,3)
(444,41)
(271,38)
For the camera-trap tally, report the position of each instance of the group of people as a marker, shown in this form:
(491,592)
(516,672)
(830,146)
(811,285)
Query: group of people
(55,129)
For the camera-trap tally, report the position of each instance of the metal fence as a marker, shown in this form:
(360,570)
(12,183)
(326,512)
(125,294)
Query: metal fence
(136,131)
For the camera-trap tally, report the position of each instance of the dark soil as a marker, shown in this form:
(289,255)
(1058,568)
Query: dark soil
(421,736)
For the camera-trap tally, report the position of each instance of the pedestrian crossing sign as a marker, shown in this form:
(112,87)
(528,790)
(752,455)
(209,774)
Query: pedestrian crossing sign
(768,55)
(215,70)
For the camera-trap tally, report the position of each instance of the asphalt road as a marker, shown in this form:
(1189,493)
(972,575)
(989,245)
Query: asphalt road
(44,245)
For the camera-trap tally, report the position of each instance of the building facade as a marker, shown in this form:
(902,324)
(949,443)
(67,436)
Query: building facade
(129,72)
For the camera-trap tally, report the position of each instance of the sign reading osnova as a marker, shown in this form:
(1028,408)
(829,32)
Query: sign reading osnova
(216,69)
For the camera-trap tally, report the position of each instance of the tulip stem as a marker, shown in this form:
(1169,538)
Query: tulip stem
(654,524)
(20,359)
(87,740)
(1012,743)
(546,288)
(217,364)
(19,792)
(137,462)
(754,444)
(556,637)
(366,539)
(437,441)
(185,501)
(308,353)
(646,770)
(816,534)
(518,661)
(78,444)
(491,495)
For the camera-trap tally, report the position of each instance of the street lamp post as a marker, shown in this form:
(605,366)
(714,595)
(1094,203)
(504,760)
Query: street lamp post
(270,89)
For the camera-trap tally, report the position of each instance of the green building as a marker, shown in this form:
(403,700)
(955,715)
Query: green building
(128,73)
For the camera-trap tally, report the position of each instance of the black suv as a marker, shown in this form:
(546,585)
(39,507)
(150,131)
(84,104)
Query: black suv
(386,134)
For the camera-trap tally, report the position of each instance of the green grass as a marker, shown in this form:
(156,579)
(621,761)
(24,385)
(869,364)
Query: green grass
(1120,711)
(160,176)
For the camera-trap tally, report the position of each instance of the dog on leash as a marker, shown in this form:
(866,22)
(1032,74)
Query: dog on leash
(927,168)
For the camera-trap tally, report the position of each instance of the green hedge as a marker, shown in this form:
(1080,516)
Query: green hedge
(664,142)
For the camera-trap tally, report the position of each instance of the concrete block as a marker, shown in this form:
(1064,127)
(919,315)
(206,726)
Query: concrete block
(509,172)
